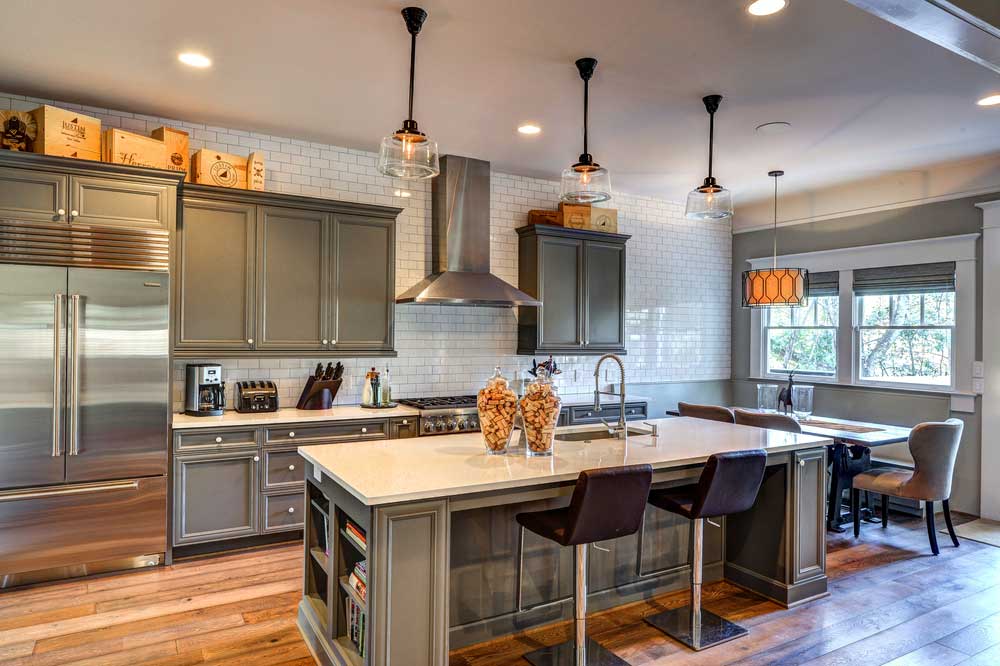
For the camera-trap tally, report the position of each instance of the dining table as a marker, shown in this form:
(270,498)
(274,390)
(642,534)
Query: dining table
(848,456)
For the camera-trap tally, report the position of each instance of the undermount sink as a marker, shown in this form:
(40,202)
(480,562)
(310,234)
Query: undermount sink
(589,435)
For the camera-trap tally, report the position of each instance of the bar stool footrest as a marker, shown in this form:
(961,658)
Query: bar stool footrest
(564,654)
(676,623)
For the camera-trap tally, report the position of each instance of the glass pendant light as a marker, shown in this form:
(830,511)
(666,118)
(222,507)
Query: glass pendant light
(408,153)
(586,182)
(770,287)
(710,201)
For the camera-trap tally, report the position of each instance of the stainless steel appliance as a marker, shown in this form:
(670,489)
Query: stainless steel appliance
(84,420)
(204,390)
(443,416)
(253,397)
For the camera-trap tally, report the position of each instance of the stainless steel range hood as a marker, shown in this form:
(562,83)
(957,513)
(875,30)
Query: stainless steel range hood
(461,242)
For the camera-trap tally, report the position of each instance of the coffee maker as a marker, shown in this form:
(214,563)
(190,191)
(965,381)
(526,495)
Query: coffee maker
(204,392)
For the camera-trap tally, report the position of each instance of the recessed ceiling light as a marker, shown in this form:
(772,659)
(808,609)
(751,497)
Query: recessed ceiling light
(195,59)
(528,128)
(991,100)
(766,7)
(776,127)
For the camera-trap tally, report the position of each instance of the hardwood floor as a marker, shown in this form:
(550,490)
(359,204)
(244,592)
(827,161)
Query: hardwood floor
(891,603)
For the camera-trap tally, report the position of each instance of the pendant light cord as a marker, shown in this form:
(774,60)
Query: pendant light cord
(586,113)
(775,264)
(711,140)
(413,62)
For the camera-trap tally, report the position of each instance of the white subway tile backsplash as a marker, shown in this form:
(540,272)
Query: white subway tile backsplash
(678,281)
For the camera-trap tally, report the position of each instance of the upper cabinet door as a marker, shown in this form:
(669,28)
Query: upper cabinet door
(604,300)
(560,268)
(214,304)
(293,283)
(363,283)
(111,202)
(33,196)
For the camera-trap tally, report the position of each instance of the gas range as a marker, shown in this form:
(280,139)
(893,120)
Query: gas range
(445,415)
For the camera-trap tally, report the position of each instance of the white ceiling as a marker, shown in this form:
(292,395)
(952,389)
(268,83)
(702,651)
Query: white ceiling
(863,96)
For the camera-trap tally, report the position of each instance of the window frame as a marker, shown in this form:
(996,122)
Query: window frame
(858,328)
(813,377)
(961,249)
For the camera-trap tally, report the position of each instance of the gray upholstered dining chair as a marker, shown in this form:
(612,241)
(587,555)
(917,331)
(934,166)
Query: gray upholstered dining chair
(934,447)
(707,412)
(770,421)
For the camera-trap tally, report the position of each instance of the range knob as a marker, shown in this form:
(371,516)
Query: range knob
(450,423)
(428,426)
(439,425)
(462,425)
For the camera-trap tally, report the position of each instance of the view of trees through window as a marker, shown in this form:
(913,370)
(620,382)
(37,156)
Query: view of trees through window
(906,338)
(803,340)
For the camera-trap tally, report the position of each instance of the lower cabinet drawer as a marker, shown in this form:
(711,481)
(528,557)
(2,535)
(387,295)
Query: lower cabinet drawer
(283,468)
(283,512)
(347,431)
(213,440)
(66,526)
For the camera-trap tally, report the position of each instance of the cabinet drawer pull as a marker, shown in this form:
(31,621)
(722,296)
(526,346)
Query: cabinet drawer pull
(364,430)
(333,342)
(291,509)
(291,434)
(291,468)
(61,212)
(218,440)
(326,342)
(405,422)
(256,458)
(73,213)
(249,341)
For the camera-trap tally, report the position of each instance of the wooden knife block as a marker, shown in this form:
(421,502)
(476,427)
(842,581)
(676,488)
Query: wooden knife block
(319,393)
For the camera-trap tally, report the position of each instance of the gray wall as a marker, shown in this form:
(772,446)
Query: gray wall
(944,218)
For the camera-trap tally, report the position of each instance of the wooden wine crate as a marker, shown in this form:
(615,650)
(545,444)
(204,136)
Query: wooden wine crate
(575,216)
(177,145)
(604,219)
(121,147)
(67,133)
(255,172)
(552,217)
(209,167)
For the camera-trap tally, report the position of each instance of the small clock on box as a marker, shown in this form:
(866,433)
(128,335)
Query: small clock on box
(604,219)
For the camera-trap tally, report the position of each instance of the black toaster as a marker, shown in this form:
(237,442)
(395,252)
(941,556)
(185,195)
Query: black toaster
(256,396)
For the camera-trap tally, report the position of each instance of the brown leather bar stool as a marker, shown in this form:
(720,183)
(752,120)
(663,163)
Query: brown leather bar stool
(728,484)
(606,504)
(707,412)
(769,421)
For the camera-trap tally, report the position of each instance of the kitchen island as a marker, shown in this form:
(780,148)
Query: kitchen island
(445,566)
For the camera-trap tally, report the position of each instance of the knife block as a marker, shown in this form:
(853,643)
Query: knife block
(319,393)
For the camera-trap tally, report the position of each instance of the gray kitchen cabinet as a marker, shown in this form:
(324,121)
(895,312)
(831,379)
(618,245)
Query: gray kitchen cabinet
(580,415)
(282,513)
(293,290)
(27,195)
(112,202)
(215,275)
(579,276)
(215,496)
(403,428)
(809,485)
(280,275)
(364,285)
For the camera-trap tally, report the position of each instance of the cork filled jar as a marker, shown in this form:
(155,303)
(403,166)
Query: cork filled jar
(497,405)
(540,412)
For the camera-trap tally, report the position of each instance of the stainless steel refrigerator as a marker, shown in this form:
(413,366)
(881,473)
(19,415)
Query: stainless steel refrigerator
(84,420)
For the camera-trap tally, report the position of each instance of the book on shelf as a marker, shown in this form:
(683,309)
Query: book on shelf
(358,586)
(361,571)
(353,536)
(355,531)
(324,541)
(356,625)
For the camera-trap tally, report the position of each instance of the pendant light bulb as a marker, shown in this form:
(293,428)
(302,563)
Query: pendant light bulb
(586,181)
(408,153)
(710,201)
(775,287)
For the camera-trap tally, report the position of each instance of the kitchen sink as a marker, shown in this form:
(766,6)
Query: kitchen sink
(589,435)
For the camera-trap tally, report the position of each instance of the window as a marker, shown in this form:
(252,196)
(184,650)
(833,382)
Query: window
(803,340)
(906,338)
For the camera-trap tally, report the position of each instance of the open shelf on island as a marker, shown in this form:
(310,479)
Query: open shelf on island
(354,544)
(349,650)
(351,592)
(321,557)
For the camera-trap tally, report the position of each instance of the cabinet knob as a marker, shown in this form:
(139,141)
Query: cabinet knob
(291,468)
(61,212)
(364,430)
(73,213)
(405,422)
(590,413)
(249,341)
(291,434)
(218,440)
(256,458)
(333,342)
(802,463)
(291,509)
(326,342)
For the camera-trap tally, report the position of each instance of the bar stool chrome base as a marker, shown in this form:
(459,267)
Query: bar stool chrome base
(564,654)
(678,624)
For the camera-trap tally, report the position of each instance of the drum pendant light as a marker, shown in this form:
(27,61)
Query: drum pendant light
(710,201)
(770,287)
(408,153)
(585,182)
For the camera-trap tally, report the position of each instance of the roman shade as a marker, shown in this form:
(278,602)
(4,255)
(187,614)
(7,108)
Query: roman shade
(824,284)
(912,279)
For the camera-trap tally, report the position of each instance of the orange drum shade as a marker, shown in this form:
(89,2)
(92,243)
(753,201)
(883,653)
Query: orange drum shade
(768,287)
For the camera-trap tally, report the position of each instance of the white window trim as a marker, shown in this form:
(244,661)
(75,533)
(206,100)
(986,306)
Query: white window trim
(960,249)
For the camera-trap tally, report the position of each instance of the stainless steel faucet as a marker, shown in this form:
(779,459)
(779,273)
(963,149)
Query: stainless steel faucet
(620,429)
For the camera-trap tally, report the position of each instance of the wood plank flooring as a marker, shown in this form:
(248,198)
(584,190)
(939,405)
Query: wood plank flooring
(891,603)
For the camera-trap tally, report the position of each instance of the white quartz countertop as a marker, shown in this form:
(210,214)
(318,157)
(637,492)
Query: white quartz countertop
(404,470)
(289,415)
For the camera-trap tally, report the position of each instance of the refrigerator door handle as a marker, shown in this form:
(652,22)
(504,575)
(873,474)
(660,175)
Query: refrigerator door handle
(74,375)
(58,301)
